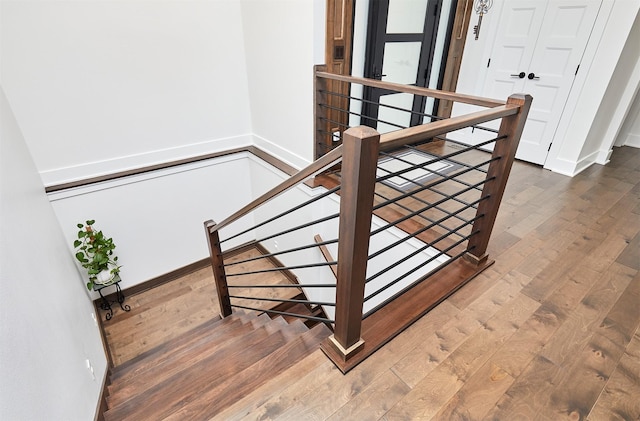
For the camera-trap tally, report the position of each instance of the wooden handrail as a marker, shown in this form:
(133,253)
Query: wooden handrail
(417,90)
(387,141)
(317,166)
(413,134)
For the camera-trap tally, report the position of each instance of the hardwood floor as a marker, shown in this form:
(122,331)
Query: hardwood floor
(550,332)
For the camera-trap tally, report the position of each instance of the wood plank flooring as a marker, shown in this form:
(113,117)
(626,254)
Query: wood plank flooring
(550,332)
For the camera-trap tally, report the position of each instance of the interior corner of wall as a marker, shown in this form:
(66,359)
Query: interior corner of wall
(279,152)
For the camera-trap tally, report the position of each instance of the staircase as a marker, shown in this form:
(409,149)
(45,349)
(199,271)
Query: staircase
(204,370)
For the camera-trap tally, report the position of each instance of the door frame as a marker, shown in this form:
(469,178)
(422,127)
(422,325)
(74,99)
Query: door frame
(374,56)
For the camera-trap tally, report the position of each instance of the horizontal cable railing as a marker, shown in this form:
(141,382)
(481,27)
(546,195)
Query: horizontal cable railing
(393,208)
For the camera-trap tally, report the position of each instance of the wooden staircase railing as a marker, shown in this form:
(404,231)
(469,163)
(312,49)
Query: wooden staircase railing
(358,155)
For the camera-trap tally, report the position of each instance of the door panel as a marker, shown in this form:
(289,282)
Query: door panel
(401,60)
(514,47)
(537,51)
(406,16)
(559,49)
(400,44)
(401,118)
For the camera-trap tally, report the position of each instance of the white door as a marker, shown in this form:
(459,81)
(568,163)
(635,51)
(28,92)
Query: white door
(537,51)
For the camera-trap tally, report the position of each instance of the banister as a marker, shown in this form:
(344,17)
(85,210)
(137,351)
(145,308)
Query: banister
(318,165)
(417,90)
(413,134)
(388,141)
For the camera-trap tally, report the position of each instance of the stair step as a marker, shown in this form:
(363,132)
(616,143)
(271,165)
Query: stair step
(187,380)
(171,345)
(154,371)
(219,396)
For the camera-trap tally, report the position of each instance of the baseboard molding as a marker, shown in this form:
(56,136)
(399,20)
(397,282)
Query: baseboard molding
(572,168)
(604,156)
(102,402)
(159,280)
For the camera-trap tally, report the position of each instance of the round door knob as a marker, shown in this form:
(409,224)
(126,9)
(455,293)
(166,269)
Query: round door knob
(521,75)
(532,76)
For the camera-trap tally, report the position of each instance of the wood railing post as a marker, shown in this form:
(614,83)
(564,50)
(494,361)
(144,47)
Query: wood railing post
(217,264)
(360,157)
(321,129)
(504,149)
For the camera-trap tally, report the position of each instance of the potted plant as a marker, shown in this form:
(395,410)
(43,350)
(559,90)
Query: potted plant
(94,251)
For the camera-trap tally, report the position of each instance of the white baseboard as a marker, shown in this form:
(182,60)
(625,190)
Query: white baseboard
(604,156)
(110,166)
(572,168)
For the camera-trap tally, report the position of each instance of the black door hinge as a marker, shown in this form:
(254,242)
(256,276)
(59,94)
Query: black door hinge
(549,148)
(489,62)
(577,68)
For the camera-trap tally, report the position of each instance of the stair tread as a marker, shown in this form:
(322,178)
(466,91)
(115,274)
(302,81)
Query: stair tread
(154,371)
(170,345)
(218,397)
(185,384)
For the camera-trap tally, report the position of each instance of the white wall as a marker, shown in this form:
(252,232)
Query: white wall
(156,219)
(616,102)
(283,40)
(47,330)
(102,86)
(630,132)
(579,135)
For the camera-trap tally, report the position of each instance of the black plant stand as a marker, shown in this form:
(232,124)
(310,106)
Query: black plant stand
(105,304)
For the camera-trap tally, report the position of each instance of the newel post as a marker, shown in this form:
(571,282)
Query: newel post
(499,169)
(217,264)
(360,157)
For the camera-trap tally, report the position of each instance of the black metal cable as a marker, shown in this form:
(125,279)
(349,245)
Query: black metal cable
(425,228)
(417,183)
(443,157)
(411,215)
(284,313)
(362,115)
(277,269)
(401,277)
(463,164)
(295,208)
(435,117)
(420,189)
(431,273)
(423,248)
(283,286)
(284,300)
(262,256)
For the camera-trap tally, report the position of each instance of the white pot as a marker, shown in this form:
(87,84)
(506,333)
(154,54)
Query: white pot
(105,277)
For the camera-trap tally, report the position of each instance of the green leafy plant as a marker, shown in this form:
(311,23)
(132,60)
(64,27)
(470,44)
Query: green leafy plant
(94,251)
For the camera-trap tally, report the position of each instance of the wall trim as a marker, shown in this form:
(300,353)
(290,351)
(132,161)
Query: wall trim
(278,151)
(586,162)
(604,156)
(274,161)
(109,166)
